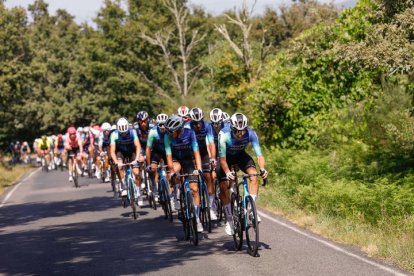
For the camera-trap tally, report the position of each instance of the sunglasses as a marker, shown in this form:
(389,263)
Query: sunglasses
(239,132)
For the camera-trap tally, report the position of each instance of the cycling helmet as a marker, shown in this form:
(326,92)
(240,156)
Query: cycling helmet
(161,118)
(238,121)
(86,129)
(113,127)
(71,130)
(183,111)
(59,136)
(196,114)
(226,117)
(106,126)
(122,125)
(54,137)
(173,123)
(216,115)
(142,115)
(80,129)
(44,137)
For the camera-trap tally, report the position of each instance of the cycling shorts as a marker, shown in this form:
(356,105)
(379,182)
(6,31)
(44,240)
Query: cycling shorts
(74,151)
(187,167)
(156,157)
(121,155)
(241,160)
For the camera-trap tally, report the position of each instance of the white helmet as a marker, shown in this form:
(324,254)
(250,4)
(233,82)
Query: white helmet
(122,125)
(86,129)
(183,111)
(106,126)
(226,117)
(79,129)
(161,118)
(113,127)
(238,121)
(196,114)
(216,115)
(173,123)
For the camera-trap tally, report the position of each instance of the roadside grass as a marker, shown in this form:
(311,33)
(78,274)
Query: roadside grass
(305,190)
(9,175)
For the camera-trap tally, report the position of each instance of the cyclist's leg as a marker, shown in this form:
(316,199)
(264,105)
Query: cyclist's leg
(247,165)
(70,162)
(205,160)
(120,156)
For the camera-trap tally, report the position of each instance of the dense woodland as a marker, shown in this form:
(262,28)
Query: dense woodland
(329,91)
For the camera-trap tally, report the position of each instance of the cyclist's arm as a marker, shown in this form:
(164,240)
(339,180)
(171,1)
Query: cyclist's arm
(210,143)
(223,138)
(151,136)
(194,146)
(112,146)
(168,152)
(256,147)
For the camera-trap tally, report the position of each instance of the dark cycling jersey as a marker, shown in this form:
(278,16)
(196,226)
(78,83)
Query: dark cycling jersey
(104,140)
(228,145)
(142,136)
(124,143)
(182,147)
(60,143)
(156,139)
(204,136)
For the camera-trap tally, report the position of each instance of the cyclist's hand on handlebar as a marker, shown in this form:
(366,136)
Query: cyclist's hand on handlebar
(230,176)
(213,162)
(141,158)
(196,172)
(263,173)
(102,154)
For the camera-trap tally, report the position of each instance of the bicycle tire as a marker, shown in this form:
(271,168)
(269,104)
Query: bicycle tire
(192,219)
(90,174)
(237,221)
(205,208)
(75,174)
(132,197)
(217,201)
(61,164)
(183,208)
(153,189)
(252,227)
(165,200)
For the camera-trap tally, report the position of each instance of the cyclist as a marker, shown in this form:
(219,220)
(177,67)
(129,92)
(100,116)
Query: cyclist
(36,149)
(184,112)
(181,150)
(155,150)
(207,148)
(73,145)
(87,146)
(25,151)
(60,148)
(233,141)
(96,131)
(103,147)
(124,144)
(143,130)
(44,148)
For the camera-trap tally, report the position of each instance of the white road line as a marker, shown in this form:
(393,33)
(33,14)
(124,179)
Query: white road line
(328,244)
(16,187)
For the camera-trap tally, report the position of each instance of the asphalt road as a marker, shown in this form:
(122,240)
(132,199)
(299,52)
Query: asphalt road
(49,227)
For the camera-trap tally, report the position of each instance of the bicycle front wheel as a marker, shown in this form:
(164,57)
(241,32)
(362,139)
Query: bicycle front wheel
(182,215)
(217,201)
(205,208)
(192,219)
(252,227)
(237,221)
(130,184)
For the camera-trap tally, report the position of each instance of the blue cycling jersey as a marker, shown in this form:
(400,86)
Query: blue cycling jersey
(204,136)
(229,145)
(182,147)
(125,142)
(143,136)
(156,139)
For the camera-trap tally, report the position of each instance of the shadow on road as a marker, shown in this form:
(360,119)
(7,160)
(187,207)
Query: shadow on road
(110,246)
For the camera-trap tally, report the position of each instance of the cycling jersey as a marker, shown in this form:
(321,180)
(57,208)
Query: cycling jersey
(142,136)
(156,139)
(228,145)
(204,136)
(104,140)
(60,143)
(71,143)
(88,139)
(182,147)
(44,145)
(124,143)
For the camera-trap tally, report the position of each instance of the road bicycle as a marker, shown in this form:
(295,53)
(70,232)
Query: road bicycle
(187,208)
(131,198)
(105,172)
(164,192)
(204,203)
(244,214)
(150,187)
(75,170)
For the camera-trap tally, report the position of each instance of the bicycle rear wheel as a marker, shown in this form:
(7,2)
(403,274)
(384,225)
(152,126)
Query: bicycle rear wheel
(217,201)
(90,173)
(205,208)
(192,219)
(130,186)
(236,209)
(153,189)
(252,227)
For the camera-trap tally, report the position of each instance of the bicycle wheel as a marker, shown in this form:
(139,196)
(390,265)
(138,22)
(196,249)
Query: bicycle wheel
(236,209)
(103,173)
(130,186)
(217,201)
(192,219)
(164,199)
(90,173)
(61,164)
(75,174)
(182,215)
(205,208)
(252,227)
